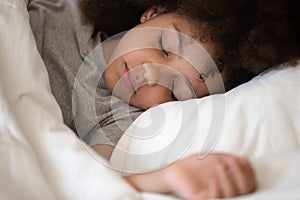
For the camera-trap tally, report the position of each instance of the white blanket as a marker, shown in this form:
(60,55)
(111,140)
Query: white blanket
(256,119)
(40,158)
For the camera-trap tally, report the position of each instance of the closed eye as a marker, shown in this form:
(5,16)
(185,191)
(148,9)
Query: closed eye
(172,91)
(161,46)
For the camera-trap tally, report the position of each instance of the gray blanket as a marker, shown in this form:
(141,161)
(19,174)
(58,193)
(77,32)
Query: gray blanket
(64,38)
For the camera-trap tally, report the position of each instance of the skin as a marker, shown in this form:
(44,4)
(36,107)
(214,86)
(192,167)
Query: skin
(171,78)
(174,75)
(223,176)
(150,70)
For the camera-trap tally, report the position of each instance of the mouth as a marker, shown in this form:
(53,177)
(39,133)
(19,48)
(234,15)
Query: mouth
(128,78)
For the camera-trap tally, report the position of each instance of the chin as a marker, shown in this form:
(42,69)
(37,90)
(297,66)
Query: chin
(140,105)
(145,105)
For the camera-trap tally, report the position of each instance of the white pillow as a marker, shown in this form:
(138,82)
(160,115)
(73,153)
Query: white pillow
(258,118)
(40,157)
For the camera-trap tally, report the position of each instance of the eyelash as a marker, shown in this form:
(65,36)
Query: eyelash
(172,91)
(161,46)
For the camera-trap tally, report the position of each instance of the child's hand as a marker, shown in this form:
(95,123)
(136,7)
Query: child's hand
(215,176)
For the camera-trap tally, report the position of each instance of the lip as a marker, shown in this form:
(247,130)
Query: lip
(127,77)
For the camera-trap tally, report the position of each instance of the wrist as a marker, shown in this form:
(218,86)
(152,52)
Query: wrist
(150,182)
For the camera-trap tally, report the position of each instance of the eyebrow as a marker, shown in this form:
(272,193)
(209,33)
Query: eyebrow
(179,34)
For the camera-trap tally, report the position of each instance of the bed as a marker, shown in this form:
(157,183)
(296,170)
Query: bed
(41,158)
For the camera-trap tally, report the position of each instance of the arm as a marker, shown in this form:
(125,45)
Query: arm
(215,176)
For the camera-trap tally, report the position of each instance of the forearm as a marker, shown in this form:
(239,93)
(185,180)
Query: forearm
(215,176)
(149,182)
(146,182)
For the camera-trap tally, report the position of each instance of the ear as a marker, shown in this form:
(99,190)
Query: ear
(152,12)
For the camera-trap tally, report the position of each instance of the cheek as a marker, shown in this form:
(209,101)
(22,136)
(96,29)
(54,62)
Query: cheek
(112,74)
(202,91)
(148,96)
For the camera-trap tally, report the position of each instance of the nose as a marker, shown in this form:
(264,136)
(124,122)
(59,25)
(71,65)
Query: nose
(157,74)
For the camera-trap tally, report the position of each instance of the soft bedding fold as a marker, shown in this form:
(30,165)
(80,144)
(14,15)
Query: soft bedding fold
(40,157)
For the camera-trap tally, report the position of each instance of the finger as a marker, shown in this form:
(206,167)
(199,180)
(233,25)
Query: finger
(227,183)
(250,172)
(243,176)
(240,177)
(214,189)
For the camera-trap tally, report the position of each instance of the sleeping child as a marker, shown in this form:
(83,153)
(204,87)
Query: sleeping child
(178,50)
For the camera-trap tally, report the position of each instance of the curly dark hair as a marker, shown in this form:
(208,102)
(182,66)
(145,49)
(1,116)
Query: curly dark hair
(115,16)
(249,36)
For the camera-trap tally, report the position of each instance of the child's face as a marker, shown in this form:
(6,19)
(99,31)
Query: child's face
(155,63)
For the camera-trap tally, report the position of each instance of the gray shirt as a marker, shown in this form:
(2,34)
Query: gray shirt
(64,39)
